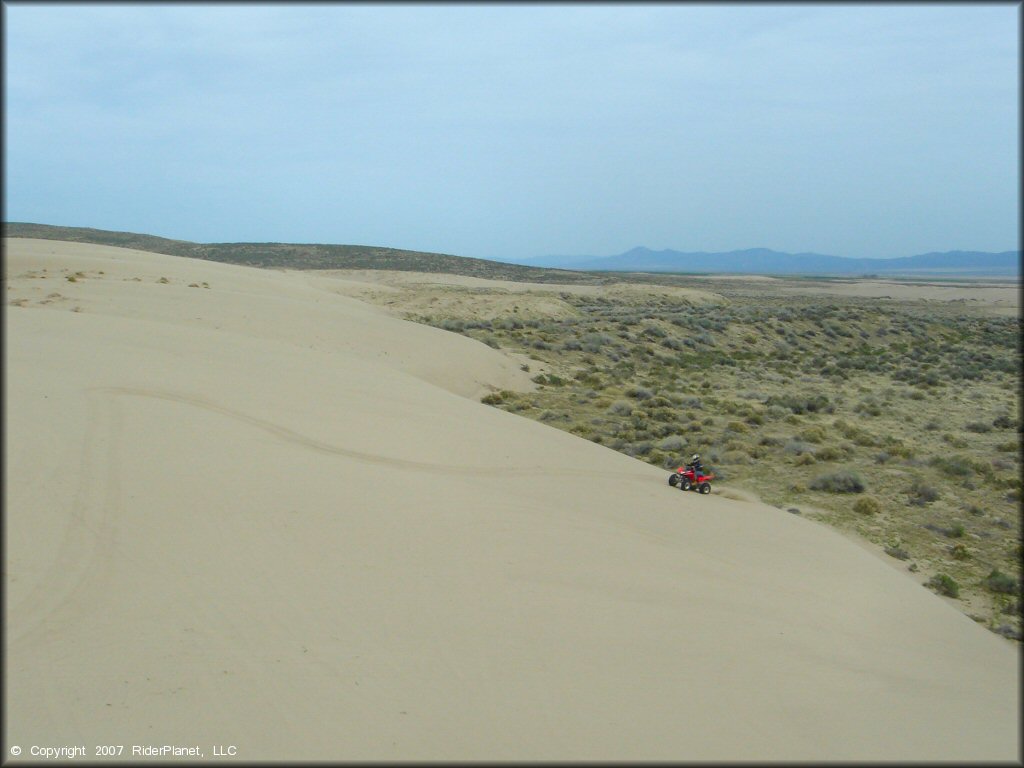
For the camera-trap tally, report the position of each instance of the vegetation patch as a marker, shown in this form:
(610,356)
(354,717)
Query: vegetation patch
(944,585)
(843,481)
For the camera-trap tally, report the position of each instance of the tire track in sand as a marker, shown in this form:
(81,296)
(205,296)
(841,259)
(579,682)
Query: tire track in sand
(320,446)
(84,557)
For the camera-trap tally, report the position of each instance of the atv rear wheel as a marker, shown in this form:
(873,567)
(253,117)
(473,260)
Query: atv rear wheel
(704,488)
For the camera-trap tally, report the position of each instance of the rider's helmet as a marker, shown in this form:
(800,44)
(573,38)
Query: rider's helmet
(695,457)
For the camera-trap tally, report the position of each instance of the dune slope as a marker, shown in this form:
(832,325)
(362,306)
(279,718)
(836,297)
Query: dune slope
(264,514)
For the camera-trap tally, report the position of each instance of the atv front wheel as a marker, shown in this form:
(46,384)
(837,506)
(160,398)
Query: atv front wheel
(685,484)
(673,479)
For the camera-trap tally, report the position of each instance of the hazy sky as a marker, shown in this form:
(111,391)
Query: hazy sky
(514,130)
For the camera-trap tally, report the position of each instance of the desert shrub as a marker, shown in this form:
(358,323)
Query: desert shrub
(621,408)
(954,440)
(687,401)
(1003,421)
(451,324)
(956,532)
(797,447)
(997,581)
(841,481)
(641,448)
(944,585)
(593,342)
(495,398)
(979,427)
(657,458)
(640,393)
(920,493)
(868,407)
(800,404)
(672,444)
(832,453)
(960,552)
(866,506)
(957,466)
(813,434)
(898,552)
(736,457)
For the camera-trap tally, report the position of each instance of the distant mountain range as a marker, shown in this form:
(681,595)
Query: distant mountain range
(767,261)
(540,269)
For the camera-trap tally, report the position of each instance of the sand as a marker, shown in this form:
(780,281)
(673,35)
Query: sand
(267,515)
(429,294)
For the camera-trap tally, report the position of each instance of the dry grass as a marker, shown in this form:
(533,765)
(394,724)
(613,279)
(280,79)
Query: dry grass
(896,420)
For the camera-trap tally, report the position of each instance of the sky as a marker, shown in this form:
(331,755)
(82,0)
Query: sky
(508,131)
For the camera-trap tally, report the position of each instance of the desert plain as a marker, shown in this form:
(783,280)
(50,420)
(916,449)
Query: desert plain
(260,508)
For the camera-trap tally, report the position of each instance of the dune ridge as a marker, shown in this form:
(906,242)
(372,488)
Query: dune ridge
(242,508)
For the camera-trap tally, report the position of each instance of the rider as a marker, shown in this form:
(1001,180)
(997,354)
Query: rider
(696,466)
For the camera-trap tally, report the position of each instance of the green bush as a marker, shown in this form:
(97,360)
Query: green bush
(957,466)
(897,551)
(830,453)
(921,493)
(841,481)
(640,393)
(944,585)
(813,434)
(621,408)
(1004,421)
(998,581)
(672,444)
(802,404)
(960,552)
(496,398)
(867,506)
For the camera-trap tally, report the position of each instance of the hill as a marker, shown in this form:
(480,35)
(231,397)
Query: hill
(767,261)
(246,509)
(300,255)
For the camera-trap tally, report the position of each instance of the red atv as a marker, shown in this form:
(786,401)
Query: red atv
(684,478)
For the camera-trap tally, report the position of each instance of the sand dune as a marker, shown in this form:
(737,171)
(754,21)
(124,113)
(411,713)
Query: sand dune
(264,514)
